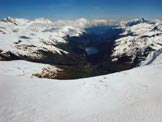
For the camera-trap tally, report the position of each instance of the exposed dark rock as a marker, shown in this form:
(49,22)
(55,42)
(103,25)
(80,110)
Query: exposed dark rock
(8,56)
(24,37)
(65,72)
(24,47)
(2,32)
(49,72)
(1,50)
(18,42)
(124,59)
(141,55)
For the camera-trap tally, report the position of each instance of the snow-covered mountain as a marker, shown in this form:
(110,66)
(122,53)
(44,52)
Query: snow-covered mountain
(32,40)
(65,44)
(139,39)
(42,40)
(26,37)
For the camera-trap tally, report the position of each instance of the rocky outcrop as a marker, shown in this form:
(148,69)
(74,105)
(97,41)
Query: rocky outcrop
(49,72)
(8,56)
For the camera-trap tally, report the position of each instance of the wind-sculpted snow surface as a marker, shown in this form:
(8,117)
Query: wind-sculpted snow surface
(130,96)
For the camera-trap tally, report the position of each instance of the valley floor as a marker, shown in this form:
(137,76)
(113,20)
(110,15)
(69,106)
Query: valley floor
(130,96)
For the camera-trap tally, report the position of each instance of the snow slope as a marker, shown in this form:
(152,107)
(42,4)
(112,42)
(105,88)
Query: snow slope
(22,68)
(130,96)
(153,58)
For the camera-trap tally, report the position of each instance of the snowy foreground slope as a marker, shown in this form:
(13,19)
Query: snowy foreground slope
(130,96)
(22,68)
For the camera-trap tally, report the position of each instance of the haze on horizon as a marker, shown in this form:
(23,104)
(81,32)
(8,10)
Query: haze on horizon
(73,9)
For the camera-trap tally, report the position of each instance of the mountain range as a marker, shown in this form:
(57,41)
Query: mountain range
(68,49)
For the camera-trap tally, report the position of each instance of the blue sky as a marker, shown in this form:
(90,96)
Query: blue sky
(90,9)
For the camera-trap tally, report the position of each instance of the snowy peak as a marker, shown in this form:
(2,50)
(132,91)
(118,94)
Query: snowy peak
(15,21)
(42,20)
(134,22)
(8,19)
(137,21)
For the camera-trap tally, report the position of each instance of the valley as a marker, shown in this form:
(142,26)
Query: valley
(79,48)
